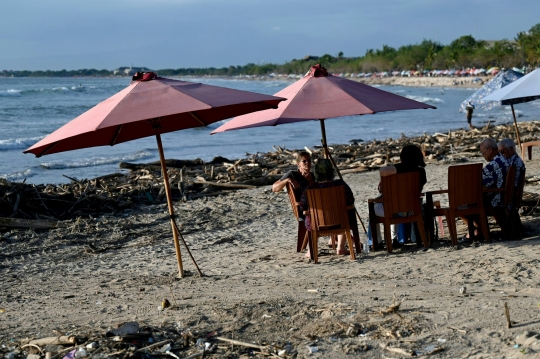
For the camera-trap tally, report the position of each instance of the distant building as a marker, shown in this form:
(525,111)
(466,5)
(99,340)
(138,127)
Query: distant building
(129,71)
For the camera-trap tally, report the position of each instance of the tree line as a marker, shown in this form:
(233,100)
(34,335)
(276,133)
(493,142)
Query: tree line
(464,52)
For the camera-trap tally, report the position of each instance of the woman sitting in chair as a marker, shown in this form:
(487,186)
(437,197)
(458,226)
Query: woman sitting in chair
(324,175)
(300,179)
(412,160)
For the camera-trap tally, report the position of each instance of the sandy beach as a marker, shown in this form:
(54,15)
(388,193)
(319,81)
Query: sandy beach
(95,273)
(428,81)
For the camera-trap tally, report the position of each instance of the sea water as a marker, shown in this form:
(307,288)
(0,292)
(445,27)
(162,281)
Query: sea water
(31,108)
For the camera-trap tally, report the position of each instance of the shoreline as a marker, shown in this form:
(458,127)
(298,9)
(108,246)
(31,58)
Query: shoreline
(422,81)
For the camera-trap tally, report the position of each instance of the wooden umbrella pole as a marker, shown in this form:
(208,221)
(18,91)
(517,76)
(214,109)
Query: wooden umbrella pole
(323,140)
(171,208)
(327,154)
(187,248)
(516,126)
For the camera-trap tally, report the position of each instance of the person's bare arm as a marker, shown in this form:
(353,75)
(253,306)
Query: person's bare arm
(280,184)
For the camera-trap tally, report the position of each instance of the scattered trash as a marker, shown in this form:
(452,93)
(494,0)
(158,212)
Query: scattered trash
(125,329)
(312,349)
(441,340)
(463,290)
(70,355)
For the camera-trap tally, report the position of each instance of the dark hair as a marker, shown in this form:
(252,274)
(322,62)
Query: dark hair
(301,155)
(324,171)
(412,155)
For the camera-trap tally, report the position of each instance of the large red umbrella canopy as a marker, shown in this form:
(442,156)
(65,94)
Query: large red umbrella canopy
(319,95)
(151,106)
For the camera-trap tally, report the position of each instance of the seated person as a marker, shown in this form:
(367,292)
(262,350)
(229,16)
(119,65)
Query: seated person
(411,160)
(298,179)
(507,148)
(493,176)
(324,175)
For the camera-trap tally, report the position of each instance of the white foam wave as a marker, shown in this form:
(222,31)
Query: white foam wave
(18,143)
(95,161)
(425,99)
(10,92)
(18,175)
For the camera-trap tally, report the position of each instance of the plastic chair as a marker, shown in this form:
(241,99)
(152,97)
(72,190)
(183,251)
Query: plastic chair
(465,199)
(401,193)
(328,214)
(303,235)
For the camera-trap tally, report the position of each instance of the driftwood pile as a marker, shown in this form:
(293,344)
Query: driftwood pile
(44,204)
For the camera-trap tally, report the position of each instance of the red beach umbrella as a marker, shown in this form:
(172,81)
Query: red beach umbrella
(150,106)
(318,96)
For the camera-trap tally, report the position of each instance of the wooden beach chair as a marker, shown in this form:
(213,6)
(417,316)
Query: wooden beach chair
(303,235)
(328,214)
(401,193)
(465,199)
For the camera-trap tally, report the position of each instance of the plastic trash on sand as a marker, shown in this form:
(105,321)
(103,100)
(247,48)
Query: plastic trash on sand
(312,349)
(125,329)
(70,355)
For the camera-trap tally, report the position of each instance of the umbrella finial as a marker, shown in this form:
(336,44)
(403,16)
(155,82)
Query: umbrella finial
(318,71)
(144,76)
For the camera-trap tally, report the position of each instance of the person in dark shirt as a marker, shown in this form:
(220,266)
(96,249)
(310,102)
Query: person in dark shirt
(299,179)
(324,175)
(412,160)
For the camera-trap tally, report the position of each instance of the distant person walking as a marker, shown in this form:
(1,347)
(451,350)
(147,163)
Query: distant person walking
(470,109)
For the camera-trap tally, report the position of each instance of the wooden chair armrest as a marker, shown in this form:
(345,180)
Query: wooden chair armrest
(350,207)
(442,191)
(375,200)
(306,213)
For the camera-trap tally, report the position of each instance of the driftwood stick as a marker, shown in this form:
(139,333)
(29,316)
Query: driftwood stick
(404,352)
(507,315)
(458,330)
(34,346)
(226,185)
(152,346)
(236,342)
(64,339)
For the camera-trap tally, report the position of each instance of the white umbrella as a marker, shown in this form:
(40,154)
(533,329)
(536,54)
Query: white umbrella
(522,90)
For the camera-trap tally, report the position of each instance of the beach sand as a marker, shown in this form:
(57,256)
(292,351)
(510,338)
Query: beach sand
(95,273)
(463,82)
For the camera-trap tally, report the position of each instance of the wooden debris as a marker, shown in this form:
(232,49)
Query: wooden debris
(400,351)
(55,340)
(192,179)
(507,315)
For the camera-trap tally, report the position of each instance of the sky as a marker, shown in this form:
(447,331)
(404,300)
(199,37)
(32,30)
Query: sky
(160,34)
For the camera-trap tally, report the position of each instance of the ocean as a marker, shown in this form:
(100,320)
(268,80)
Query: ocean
(31,108)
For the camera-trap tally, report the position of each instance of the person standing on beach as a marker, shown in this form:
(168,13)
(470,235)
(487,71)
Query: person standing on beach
(469,112)
(300,179)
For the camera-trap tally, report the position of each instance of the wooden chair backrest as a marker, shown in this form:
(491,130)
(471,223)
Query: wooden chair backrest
(518,191)
(294,201)
(465,186)
(401,193)
(509,189)
(327,208)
